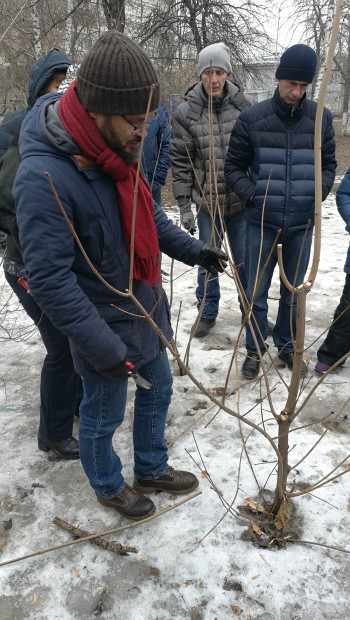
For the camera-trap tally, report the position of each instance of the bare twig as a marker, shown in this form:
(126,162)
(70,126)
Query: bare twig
(105,533)
(101,542)
(312,542)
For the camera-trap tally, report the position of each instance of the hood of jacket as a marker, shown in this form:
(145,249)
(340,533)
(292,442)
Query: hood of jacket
(44,122)
(42,70)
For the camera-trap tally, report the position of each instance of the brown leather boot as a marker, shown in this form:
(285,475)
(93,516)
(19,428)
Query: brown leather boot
(129,504)
(173,481)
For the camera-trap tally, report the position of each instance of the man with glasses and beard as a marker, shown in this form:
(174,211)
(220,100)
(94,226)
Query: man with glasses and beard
(87,140)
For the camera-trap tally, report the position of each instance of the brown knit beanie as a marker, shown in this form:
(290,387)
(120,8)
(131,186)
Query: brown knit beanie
(115,77)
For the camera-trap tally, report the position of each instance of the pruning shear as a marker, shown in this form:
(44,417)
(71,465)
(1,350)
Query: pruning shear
(140,381)
(23,283)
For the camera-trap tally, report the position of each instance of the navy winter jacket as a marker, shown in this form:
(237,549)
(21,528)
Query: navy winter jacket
(278,138)
(40,73)
(102,326)
(343,204)
(155,161)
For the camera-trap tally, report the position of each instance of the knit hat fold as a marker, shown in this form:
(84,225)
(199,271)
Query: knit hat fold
(299,63)
(215,55)
(116,76)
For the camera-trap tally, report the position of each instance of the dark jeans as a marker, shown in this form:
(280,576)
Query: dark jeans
(235,225)
(102,412)
(60,386)
(337,342)
(291,245)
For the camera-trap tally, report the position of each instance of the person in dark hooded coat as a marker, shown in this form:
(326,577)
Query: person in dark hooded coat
(60,385)
(51,67)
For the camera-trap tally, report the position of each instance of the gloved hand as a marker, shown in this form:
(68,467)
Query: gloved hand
(209,258)
(187,217)
(119,371)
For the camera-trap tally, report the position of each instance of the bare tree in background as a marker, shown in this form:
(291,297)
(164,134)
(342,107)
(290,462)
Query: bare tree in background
(114,11)
(187,26)
(31,29)
(316,17)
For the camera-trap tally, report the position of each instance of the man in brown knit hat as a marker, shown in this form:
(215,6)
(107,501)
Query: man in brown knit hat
(87,140)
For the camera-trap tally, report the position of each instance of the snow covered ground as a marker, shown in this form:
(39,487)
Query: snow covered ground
(195,561)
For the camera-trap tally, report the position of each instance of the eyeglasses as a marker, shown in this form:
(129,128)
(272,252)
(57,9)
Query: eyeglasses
(140,127)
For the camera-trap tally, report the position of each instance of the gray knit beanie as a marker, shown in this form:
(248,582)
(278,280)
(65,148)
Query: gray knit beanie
(116,76)
(299,63)
(215,55)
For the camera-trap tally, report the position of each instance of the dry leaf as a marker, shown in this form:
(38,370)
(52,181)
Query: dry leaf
(236,609)
(247,612)
(347,466)
(348,506)
(154,571)
(5,527)
(144,559)
(255,576)
(337,557)
(256,528)
(188,582)
(253,505)
(35,598)
(198,582)
(76,572)
(201,543)
(101,588)
(283,515)
(262,557)
(3,540)
(201,404)
(205,474)
(1,503)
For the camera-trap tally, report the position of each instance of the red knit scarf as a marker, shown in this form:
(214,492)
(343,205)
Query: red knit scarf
(83,129)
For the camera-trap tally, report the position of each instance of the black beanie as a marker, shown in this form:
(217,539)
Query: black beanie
(115,77)
(297,63)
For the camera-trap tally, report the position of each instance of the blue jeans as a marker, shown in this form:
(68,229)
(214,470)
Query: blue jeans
(291,245)
(102,412)
(60,386)
(236,226)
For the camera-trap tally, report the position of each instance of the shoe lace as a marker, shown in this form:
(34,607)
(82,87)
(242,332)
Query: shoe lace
(124,492)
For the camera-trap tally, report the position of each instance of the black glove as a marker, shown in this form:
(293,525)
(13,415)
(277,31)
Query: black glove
(119,371)
(187,217)
(209,258)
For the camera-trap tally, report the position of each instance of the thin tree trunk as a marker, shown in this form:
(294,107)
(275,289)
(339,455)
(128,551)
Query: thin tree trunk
(36,32)
(325,46)
(68,29)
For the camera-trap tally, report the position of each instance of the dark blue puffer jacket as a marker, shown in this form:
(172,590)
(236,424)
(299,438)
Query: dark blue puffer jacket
(102,326)
(40,73)
(275,137)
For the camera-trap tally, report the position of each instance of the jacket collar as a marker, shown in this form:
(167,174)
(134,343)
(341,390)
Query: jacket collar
(286,111)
